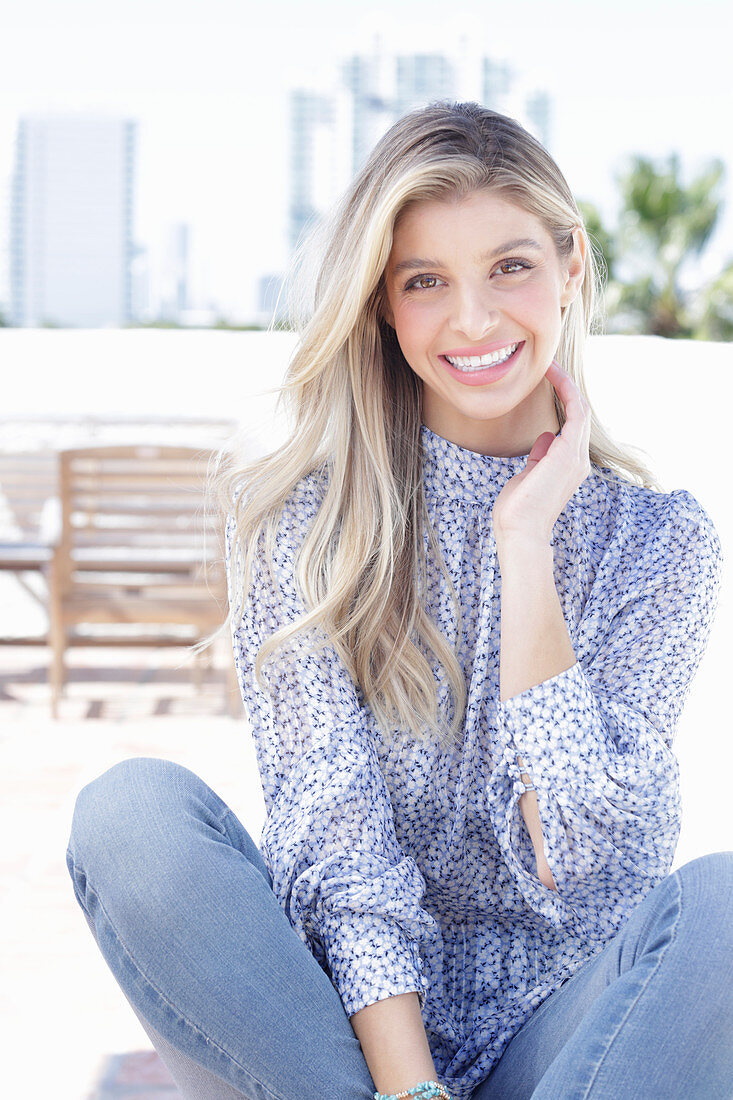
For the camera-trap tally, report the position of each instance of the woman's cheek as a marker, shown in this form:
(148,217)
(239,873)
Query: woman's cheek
(407,328)
(539,310)
(415,324)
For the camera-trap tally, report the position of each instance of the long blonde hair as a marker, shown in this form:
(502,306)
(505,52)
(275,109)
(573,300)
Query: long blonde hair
(355,412)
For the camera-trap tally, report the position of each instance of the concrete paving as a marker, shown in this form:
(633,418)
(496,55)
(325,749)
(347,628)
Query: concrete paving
(69,1032)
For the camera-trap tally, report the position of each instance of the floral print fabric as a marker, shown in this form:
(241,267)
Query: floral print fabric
(403,866)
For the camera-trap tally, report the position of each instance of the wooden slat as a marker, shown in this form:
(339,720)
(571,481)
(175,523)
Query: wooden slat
(190,512)
(125,640)
(153,532)
(28,483)
(128,565)
(21,557)
(18,420)
(148,591)
(130,610)
(145,516)
(177,549)
(126,455)
(118,641)
(149,486)
(143,484)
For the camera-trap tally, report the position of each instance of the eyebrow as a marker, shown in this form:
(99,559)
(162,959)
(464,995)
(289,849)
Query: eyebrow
(417,263)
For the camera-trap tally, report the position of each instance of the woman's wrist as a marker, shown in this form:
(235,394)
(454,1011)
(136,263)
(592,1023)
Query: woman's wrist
(426,1090)
(511,543)
(392,1037)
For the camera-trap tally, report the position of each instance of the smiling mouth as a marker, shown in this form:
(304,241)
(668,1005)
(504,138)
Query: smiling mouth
(470,363)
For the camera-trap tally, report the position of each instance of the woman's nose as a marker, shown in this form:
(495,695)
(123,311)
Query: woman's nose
(474,317)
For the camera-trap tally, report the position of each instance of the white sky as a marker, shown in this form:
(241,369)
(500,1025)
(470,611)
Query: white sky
(208,82)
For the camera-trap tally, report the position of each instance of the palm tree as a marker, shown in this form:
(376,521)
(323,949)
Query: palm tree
(664,224)
(713,307)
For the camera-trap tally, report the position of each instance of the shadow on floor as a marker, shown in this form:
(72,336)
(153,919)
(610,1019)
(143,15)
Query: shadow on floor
(117,683)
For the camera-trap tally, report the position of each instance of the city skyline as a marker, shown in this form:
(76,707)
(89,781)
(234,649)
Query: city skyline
(209,89)
(70,190)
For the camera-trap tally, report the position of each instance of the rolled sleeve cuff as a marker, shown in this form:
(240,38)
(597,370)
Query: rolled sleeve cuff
(370,958)
(551,727)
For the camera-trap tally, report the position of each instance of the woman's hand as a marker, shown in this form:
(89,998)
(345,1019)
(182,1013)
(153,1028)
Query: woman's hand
(530,502)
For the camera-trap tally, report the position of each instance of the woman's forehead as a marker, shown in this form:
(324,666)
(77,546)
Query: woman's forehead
(484,216)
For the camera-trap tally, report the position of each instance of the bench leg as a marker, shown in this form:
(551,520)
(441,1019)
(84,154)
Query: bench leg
(57,641)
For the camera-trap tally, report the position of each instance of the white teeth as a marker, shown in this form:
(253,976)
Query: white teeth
(479,362)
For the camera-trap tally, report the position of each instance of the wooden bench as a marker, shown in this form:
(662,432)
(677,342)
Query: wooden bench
(40,543)
(29,493)
(137,550)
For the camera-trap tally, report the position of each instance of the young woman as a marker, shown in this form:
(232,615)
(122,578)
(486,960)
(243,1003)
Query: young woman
(465,623)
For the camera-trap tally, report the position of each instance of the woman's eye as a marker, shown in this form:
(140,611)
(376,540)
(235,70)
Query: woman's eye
(516,265)
(423,282)
(430,282)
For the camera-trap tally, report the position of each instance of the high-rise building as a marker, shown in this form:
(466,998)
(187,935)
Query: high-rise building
(496,83)
(370,85)
(537,107)
(176,293)
(420,79)
(319,161)
(383,88)
(71,238)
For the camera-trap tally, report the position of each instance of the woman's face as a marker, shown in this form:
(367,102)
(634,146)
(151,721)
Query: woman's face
(480,277)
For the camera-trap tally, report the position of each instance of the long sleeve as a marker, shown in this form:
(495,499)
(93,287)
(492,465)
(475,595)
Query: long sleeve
(329,842)
(596,739)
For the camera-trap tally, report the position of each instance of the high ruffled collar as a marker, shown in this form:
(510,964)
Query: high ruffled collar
(453,471)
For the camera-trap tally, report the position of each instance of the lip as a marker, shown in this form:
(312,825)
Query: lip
(484,349)
(488,374)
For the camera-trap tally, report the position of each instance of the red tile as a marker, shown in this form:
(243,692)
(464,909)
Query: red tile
(142,1067)
(147,1094)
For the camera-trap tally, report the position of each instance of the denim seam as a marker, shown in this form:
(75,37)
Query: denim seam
(222,820)
(176,1012)
(632,1006)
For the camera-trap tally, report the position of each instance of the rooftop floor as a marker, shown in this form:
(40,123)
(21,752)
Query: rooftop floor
(69,1032)
(57,997)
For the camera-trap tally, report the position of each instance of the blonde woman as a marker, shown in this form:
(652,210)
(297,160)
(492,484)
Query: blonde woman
(465,623)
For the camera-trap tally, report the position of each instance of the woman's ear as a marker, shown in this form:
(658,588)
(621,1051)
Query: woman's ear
(574,271)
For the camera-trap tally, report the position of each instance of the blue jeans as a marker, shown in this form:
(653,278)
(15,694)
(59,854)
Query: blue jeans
(180,903)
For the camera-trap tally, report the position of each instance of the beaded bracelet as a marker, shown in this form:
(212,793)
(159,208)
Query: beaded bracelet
(426,1090)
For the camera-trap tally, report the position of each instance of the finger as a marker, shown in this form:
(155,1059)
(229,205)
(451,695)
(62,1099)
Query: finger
(562,381)
(541,446)
(576,429)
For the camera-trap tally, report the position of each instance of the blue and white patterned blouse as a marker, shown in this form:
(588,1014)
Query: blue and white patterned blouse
(406,867)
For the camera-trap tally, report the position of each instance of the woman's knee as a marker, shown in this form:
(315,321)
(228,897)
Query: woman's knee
(122,793)
(707,884)
(140,819)
(133,812)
